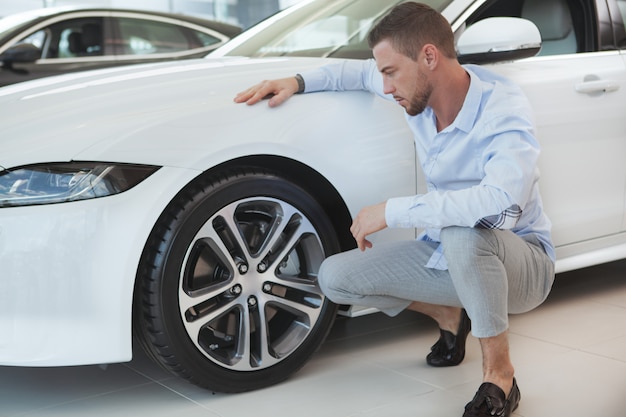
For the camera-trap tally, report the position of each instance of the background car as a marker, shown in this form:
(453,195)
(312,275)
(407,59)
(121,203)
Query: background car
(143,199)
(60,40)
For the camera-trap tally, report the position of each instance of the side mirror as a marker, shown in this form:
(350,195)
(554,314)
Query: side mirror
(21,53)
(497,39)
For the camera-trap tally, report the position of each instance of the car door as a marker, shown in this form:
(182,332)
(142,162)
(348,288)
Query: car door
(577,86)
(70,43)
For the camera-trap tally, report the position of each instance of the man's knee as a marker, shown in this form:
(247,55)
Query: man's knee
(468,240)
(340,280)
(323,275)
(330,276)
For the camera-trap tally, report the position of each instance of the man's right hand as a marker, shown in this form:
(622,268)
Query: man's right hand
(278,91)
(369,220)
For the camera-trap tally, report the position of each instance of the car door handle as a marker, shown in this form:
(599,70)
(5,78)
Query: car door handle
(597,86)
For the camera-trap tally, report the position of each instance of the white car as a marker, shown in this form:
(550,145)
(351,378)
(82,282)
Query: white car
(143,198)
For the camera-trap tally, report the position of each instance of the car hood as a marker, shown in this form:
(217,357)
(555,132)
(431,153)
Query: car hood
(160,114)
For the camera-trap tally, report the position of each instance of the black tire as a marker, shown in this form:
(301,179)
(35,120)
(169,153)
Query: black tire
(227,284)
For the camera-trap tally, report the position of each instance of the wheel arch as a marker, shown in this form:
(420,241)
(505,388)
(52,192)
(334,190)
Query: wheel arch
(311,181)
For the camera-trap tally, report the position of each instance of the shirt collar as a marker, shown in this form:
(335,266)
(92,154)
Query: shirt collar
(466,118)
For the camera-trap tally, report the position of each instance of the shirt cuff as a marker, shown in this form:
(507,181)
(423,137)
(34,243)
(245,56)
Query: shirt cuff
(314,80)
(397,211)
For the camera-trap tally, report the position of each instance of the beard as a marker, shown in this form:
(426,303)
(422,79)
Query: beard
(419,101)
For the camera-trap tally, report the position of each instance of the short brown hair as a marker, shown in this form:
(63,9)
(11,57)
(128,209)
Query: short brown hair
(409,26)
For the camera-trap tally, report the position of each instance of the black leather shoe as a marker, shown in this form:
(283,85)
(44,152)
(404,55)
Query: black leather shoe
(489,401)
(450,349)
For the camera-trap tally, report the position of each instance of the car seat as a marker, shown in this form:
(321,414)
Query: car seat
(554,20)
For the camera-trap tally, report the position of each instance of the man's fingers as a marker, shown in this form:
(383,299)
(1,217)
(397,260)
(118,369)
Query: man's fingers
(359,237)
(363,244)
(257,95)
(369,220)
(277,91)
(279,98)
(253,94)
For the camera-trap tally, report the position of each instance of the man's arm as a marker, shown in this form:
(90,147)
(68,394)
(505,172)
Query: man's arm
(338,76)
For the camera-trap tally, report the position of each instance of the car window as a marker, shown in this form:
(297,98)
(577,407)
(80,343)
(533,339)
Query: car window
(349,26)
(203,39)
(144,37)
(566,26)
(337,30)
(72,38)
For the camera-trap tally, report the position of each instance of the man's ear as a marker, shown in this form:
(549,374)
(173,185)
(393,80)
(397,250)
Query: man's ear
(430,55)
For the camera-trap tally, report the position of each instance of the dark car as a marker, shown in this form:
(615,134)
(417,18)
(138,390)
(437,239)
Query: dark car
(58,40)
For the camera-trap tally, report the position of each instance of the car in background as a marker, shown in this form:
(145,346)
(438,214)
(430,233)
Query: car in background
(60,40)
(141,200)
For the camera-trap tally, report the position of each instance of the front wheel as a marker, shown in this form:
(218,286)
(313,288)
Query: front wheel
(228,281)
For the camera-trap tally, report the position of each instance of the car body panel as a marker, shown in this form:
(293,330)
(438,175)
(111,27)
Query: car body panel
(75,283)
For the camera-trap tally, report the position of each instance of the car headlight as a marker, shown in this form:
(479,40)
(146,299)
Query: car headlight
(70,181)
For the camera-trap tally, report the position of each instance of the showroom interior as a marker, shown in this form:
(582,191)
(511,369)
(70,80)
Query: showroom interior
(243,13)
(569,353)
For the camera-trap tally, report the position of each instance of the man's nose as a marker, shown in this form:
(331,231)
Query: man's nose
(388,87)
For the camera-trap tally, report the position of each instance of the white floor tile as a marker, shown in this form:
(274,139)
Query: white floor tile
(569,354)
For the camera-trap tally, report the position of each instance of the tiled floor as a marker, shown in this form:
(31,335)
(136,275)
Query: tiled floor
(570,356)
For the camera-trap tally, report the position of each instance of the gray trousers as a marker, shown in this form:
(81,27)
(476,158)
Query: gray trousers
(491,273)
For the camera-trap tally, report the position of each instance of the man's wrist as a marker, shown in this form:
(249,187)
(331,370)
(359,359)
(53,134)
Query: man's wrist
(300,81)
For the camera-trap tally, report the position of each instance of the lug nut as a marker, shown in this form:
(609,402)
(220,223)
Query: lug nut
(267,287)
(262,267)
(236,290)
(243,268)
(251,301)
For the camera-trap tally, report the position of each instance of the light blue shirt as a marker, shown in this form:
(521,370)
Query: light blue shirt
(481,171)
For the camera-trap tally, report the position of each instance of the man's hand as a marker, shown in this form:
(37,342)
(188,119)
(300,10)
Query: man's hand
(369,220)
(279,91)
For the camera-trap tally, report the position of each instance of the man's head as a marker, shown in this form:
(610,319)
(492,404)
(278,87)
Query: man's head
(409,26)
(409,45)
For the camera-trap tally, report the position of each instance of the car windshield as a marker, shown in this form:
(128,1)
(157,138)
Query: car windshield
(321,28)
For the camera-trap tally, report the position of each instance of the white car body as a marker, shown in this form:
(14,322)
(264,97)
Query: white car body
(74,282)
(67,270)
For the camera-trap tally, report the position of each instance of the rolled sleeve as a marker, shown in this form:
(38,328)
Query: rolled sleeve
(344,75)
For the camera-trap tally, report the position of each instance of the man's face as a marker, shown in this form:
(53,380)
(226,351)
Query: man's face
(403,78)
